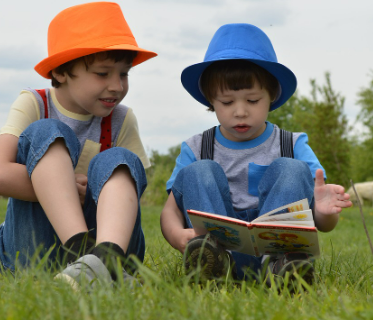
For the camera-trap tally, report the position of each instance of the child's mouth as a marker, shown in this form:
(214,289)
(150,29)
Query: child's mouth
(108,103)
(241,129)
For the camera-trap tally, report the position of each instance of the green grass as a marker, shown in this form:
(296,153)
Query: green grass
(343,290)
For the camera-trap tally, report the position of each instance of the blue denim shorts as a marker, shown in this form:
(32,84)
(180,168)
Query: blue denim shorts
(27,234)
(204,186)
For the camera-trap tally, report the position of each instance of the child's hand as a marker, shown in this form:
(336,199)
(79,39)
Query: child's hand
(184,236)
(329,198)
(81,183)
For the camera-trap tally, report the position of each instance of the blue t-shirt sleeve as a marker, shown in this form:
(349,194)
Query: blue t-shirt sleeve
(185,158)
(302,151)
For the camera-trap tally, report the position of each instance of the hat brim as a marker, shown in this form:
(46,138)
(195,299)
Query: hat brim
(288,82)
(47,65)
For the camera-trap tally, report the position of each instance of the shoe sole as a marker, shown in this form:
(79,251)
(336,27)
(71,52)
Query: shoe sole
(214,263)
(303,268)
(69,280)
(86,272)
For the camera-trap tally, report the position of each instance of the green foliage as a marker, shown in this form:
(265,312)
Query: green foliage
(362,147)
(361,160)
(290,116)
(328,128)
(321,117)
(157,175)
(365,100)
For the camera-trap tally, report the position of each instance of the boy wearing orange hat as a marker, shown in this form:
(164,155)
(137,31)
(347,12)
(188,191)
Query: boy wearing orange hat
(245,166)
(73,163)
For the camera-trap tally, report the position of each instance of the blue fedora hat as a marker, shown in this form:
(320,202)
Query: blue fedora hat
(241,41)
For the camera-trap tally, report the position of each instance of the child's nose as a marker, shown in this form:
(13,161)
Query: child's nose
(241,110)
(116,84)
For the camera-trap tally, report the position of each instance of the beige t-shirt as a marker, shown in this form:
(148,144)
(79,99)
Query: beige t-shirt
(26,110)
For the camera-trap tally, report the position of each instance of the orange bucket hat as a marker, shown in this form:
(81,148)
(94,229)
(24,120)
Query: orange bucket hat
(85,29)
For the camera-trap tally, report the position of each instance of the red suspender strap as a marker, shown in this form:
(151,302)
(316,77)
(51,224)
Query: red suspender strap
(44,97)
(105,139)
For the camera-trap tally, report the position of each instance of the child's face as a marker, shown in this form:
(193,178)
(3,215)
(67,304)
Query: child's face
(242,113)
(95,91)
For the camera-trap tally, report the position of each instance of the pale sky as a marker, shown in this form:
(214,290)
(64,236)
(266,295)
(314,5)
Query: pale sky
(310,37)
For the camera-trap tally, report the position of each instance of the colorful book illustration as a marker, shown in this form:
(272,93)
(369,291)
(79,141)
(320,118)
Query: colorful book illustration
(272,233)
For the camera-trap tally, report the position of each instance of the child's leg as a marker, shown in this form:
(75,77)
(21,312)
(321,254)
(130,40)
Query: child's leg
(117,209)
(116,181)
(26,225)
(285,181)
(54,183)
(203,186)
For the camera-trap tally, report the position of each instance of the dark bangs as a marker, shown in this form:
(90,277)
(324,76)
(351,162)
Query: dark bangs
(236,75)
(115,55)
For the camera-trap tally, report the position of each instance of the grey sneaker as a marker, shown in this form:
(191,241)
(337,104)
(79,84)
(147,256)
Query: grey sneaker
(88,272)
(128,280)
(292,263)
(205,255)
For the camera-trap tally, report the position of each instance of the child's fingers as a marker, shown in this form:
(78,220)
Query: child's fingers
(319,178)
(340,190)
(81,179)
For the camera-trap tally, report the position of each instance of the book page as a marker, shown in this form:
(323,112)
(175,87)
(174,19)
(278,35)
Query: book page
(300,205)
(232,234)
(274,240)
(304,218)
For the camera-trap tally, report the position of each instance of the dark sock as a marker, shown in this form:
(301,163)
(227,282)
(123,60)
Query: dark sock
(77,246)
(108,253)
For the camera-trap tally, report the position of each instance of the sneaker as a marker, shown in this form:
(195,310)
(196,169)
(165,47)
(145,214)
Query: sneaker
(88,271)
(293,263)
(128,280)
(205,255)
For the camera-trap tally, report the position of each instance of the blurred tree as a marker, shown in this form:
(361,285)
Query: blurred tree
(321,117)
(327,128)
(290,116)
(157,175)
(365,100)
(362,160)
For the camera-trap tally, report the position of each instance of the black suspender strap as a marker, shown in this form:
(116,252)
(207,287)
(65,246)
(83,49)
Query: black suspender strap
(208,136)
(207,147)
(286,143)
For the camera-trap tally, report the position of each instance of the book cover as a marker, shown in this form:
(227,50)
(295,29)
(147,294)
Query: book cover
(272,233)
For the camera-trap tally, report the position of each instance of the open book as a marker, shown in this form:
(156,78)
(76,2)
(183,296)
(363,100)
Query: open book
(272,233)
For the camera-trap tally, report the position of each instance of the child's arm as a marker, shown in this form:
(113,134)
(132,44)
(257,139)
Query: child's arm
(172,225)
(14,179)
(329,201)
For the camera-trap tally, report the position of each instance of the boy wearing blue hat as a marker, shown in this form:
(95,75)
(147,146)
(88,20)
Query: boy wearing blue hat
(245,166)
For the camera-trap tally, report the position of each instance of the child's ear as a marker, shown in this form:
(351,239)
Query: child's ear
(61,78)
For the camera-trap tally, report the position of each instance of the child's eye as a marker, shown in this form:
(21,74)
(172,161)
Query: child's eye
(226,103)
(101,74)
(253,101)
(124,74)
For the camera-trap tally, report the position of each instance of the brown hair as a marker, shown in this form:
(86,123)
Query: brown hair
(235,75)
(115,55)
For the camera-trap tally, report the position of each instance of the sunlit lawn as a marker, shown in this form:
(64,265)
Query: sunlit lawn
(343,288)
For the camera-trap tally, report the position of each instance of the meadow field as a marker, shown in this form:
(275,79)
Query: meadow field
(343,288)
